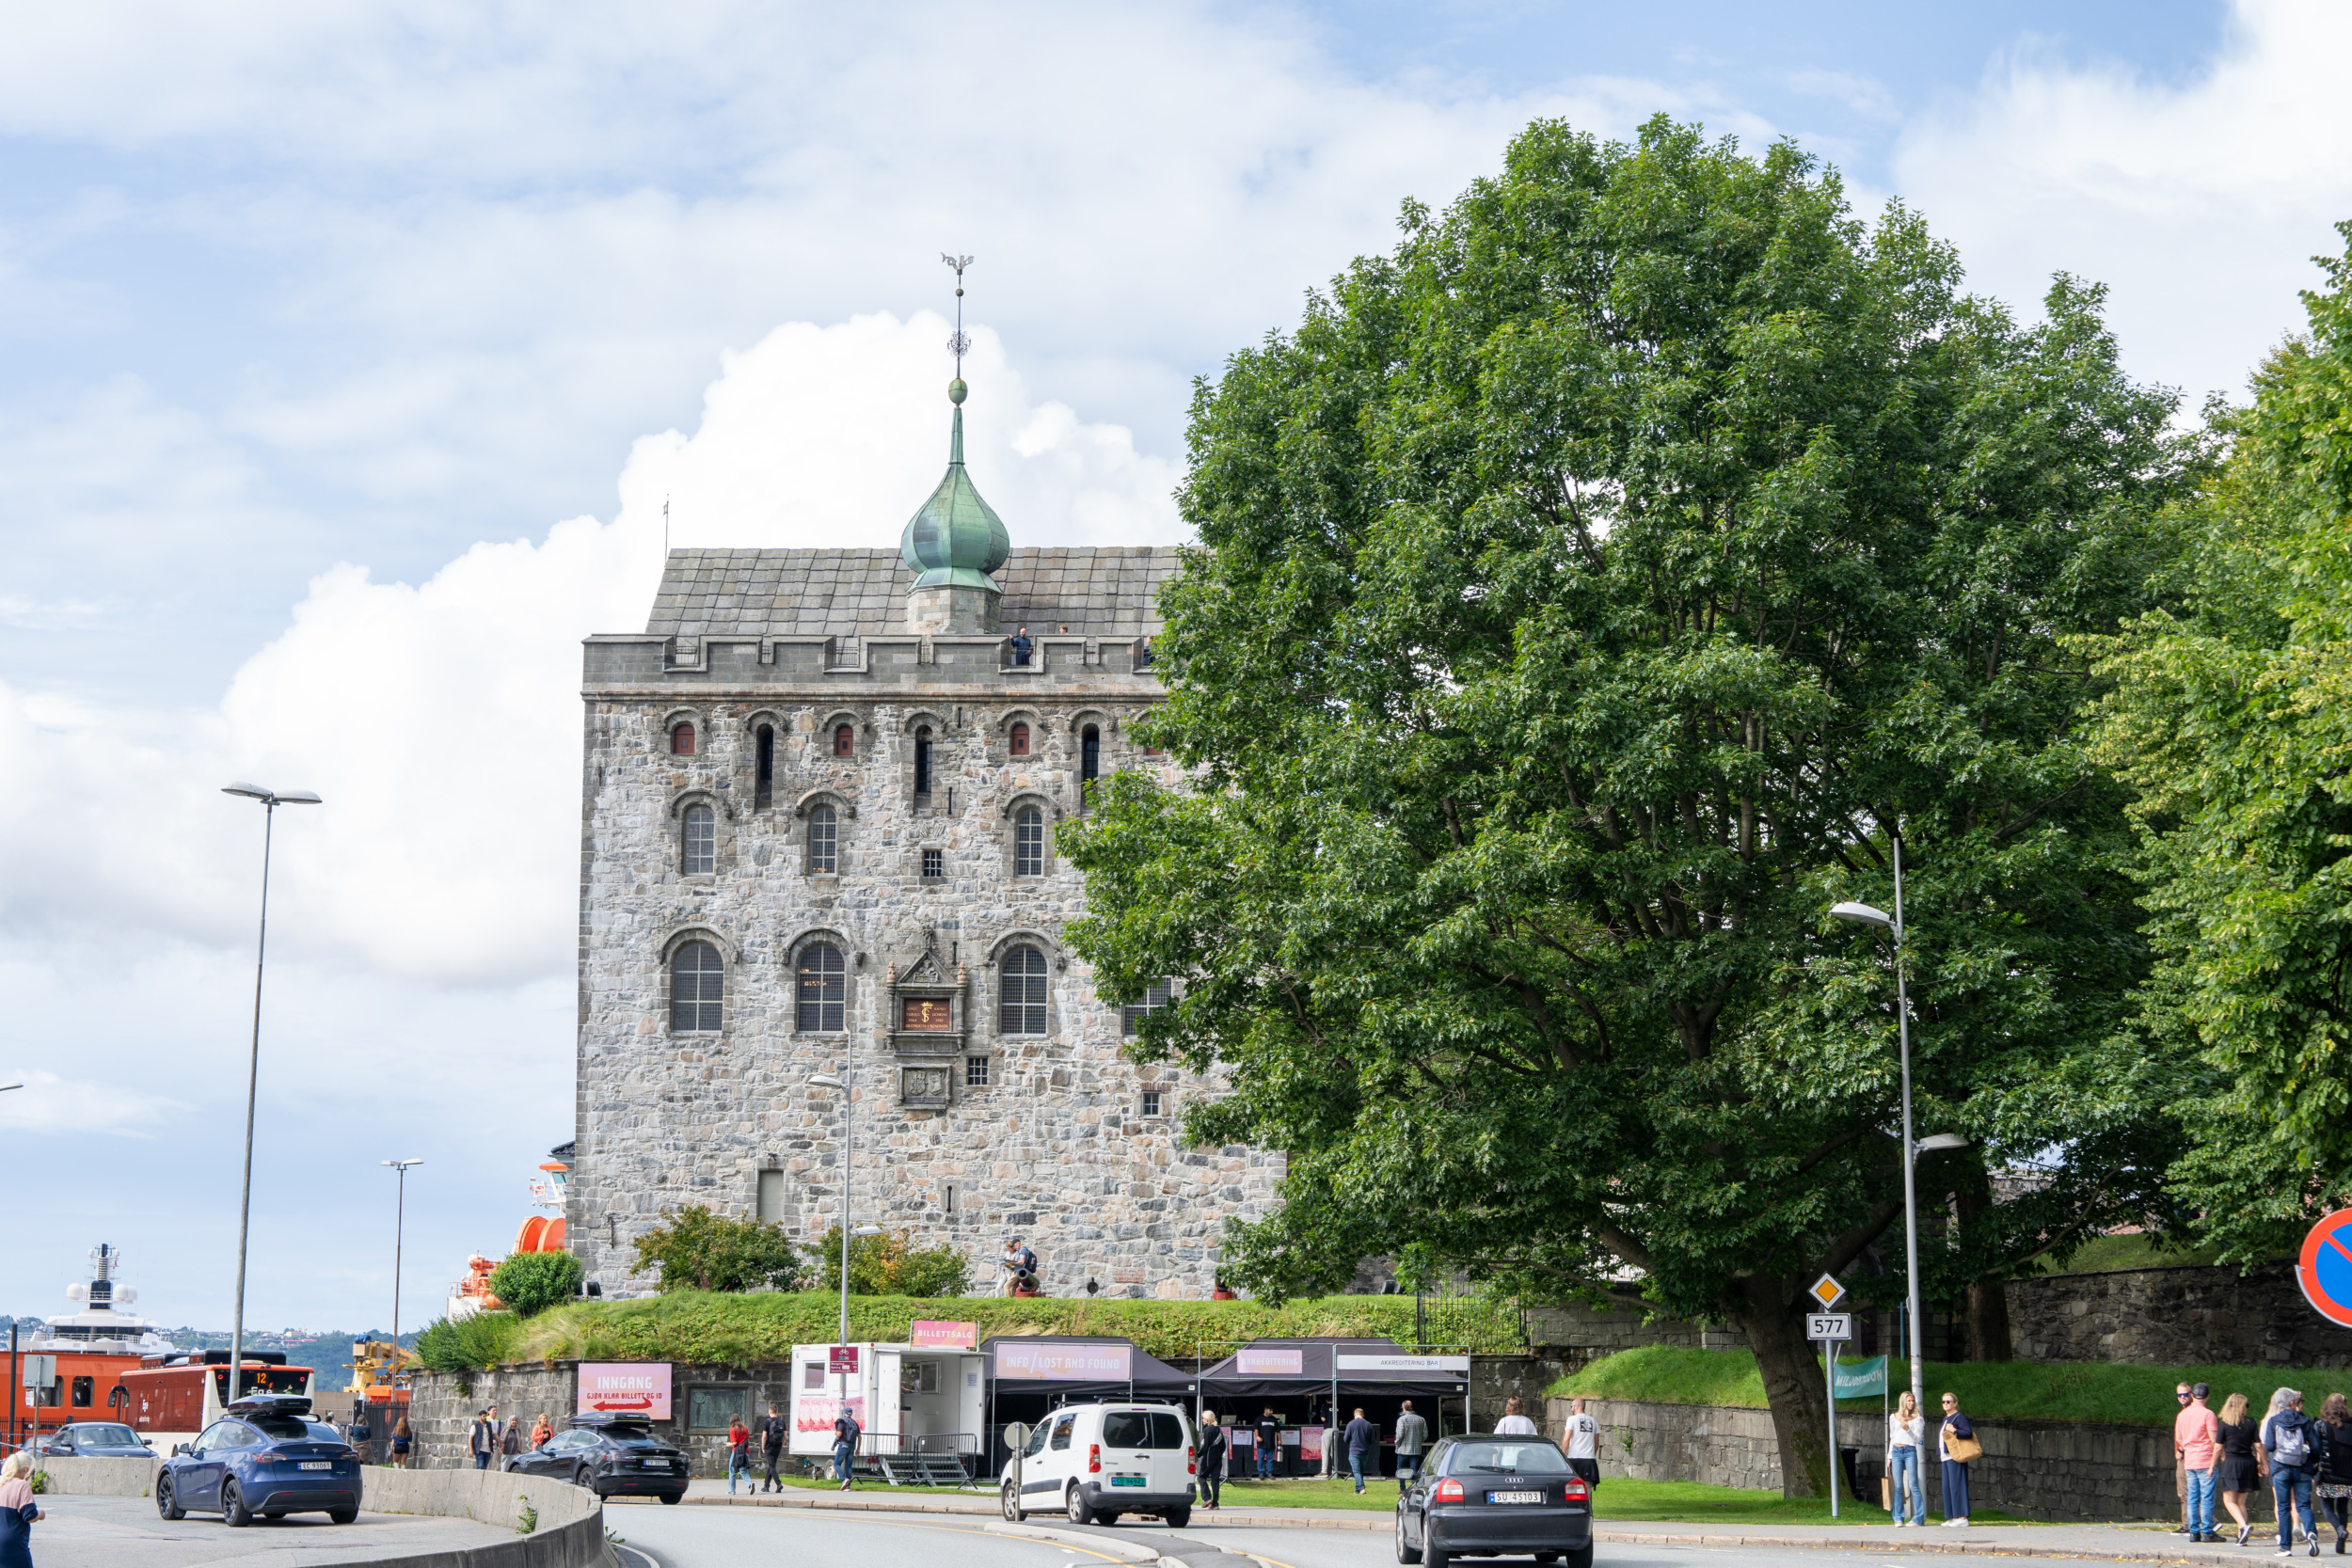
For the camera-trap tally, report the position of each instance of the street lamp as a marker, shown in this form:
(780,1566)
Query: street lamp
(400,1218)
(826,1081)
(271,799)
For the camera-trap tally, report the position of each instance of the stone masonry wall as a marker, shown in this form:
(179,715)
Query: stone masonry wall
(2175,1317)
(2041,1469)
(1054,1145)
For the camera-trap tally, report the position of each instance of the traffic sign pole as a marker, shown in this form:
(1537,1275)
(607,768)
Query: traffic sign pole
(1829,1329)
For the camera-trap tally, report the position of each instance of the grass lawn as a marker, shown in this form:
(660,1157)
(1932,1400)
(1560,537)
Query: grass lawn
(2014,1390)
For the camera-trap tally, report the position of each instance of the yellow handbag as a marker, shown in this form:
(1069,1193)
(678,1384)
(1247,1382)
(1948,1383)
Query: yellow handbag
(1886,1492)
(1960,1450)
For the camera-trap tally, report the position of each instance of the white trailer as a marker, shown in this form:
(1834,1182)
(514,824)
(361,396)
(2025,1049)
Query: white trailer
(908,1402)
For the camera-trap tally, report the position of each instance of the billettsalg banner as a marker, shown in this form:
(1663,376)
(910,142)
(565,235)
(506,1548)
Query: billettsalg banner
(1052,1363)
(636,1387)
(929,1334)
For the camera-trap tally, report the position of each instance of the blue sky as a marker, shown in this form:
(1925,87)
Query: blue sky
(318,322)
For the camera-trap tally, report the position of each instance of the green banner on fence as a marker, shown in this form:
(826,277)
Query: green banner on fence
(1857,1378)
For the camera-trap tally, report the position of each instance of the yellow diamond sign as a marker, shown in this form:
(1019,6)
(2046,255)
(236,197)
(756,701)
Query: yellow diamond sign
(1827,1291)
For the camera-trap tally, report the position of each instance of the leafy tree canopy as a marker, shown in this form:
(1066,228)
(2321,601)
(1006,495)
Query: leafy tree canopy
(1585,592)
(2233,718)
(532,1282)
(891,1264)
(713,1252)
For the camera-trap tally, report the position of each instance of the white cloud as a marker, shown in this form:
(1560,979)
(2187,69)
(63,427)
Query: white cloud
(82,1106)
(2200,202)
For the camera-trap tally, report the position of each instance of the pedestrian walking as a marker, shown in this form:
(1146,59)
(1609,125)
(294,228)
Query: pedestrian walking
(2197,1439)
(18,1512)
(1581,1442)
(2333,1490)
(2292,1440)
(402,1437)
(2241,1470)
(1906,1451)
(1956,1443)
(1270,1442)
(846,1433)
(511,1437)
(772,1435)
(484,1438)
(2180,1465)
(738,1454)
(1412,1435)
(1515,1422)
(1361,1437)
(1213,1447)
(542,1432)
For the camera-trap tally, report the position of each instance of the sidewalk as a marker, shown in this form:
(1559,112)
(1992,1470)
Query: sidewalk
(2101,1542)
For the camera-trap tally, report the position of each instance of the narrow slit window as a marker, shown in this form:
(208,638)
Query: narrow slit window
(701,841)
(1021,1010)
(824,989)
(923,761)
(844,741)
(681,741)
(1018,742)
(1029,842)
(824,842)
(764,767)
(1090,755)
(771,1196)
(697,988)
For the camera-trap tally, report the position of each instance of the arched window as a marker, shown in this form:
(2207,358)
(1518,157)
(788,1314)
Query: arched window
(681,741)
(922,760)
(697,986)
(1019,743)
(1090,756)
(824,842)
(700,842)
(824,989)
(844,741)
(1021,1002)
(764,763)
(1029,842)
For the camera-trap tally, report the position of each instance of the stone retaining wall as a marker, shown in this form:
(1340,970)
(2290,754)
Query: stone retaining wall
(2174,1318)
(2041,1469)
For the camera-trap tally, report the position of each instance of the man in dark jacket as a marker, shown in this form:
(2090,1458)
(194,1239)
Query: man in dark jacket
(1269,1443)
(484,1439)
(772,1440)
(1213,1451)
(1361,1438)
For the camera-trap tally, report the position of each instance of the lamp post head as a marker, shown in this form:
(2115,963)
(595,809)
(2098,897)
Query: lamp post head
(18,1084)
(1934,1141)
(1863,914)
(824,1080)
(866,1230)
(273,797)
(399,1165)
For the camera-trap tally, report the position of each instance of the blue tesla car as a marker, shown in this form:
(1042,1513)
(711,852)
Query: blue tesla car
(264,1458)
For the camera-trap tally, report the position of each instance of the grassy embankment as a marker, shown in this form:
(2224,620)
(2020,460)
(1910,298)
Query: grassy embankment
(707,1329)
(2009,1390)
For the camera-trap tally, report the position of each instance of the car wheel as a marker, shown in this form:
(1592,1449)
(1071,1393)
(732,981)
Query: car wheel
(1432,1555)
(1008,1504)
(343,1515)
(1079,1512)
(167,1500)
(1579,1557)
(1405,1552)
(232,1506)
(1177,1518)
(580,1478)
(673,1497)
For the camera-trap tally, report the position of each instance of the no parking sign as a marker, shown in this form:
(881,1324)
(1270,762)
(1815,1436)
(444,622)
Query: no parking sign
(2326,1268)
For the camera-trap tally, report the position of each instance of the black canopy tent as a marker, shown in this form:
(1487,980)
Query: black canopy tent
(1031,1375)
(1317,1381)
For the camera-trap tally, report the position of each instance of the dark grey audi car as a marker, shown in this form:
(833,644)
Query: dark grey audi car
(1483,1496)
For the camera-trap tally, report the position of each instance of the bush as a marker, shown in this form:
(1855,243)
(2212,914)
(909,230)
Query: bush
(703,1251)
(483,1340)
(532,1282)
(891,1265)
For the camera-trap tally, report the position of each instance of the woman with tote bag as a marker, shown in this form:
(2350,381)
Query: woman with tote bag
(1958,1441)
(1906,1435)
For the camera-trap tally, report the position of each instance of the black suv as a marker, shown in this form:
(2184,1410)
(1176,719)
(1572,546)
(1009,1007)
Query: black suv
(609,1455)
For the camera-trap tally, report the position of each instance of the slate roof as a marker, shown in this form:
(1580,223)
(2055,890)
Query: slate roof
(1098,591)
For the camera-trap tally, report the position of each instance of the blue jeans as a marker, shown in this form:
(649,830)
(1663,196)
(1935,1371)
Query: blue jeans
(1356,1466)
(2200,1502)
(844,1457)
(482,1462)
(1265,1461)
(737,1464)
(1905,1472)
(2291,1487)
(1408,1467)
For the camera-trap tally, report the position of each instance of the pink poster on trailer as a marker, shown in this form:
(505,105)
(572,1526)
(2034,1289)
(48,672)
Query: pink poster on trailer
(817,1411)
(637,1387)
(1054,1363)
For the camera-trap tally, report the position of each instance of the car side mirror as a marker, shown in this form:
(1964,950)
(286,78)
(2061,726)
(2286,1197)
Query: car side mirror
(179,1449)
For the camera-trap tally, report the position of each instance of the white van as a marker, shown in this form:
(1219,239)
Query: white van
(1096,1462)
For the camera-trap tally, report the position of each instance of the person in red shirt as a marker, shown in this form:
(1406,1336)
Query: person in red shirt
(738,1454)
(2196,1438)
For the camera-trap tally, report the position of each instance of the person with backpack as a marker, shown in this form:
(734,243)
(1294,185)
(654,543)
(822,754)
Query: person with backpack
(846,1433)
(2332,1489)
(772,1437)
(2295,1444)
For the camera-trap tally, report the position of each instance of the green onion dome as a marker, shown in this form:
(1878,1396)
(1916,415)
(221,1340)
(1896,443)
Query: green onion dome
(955,539)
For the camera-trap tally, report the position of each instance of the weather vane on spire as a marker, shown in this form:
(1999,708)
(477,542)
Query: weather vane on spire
(957,342)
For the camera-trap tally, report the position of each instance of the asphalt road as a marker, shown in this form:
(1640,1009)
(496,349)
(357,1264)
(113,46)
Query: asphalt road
(126,1532)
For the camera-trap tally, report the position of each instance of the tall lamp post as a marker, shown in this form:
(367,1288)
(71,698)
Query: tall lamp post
(271,799)
(1863,914)
(400,1219)
(848,1111)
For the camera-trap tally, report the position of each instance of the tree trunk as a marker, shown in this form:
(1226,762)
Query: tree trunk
(1988,1321)
(1771,1314)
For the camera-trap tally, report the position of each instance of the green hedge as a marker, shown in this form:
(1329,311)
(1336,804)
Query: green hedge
(2014,1390)
(708,1328)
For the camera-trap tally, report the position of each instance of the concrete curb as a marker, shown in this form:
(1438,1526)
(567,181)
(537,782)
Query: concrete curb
(1133,1551)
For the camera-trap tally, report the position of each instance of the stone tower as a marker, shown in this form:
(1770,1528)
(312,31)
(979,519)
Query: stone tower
(819,798)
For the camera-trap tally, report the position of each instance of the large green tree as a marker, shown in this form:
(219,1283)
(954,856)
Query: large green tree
(2233,718)
(1586,593)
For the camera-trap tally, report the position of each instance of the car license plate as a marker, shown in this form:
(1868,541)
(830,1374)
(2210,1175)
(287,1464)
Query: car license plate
(1126,1480)
(655,1464)
(1514,1496)
(316,1465)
